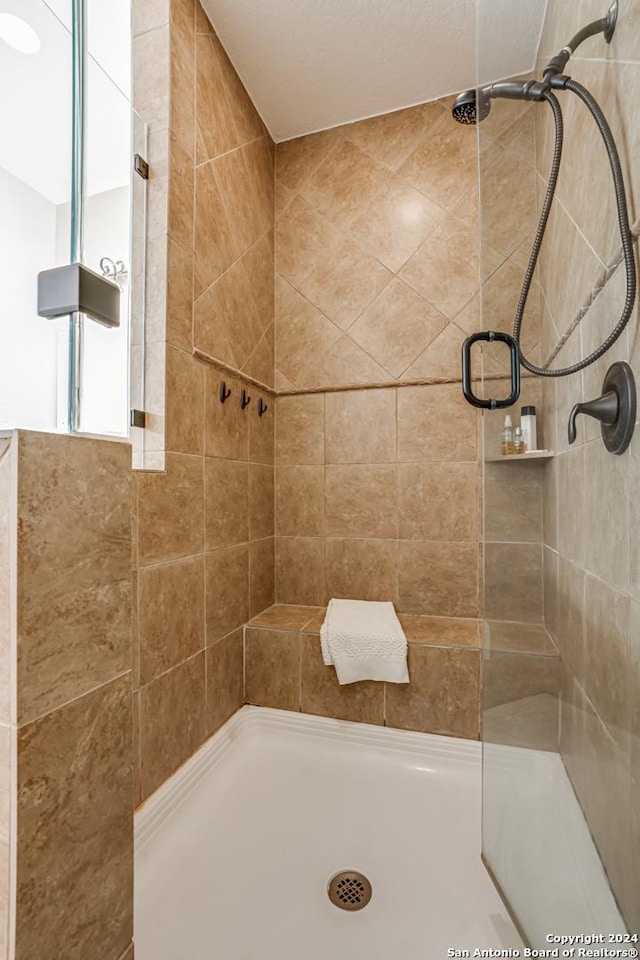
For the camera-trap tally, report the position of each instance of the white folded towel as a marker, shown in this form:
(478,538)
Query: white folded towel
(364,641)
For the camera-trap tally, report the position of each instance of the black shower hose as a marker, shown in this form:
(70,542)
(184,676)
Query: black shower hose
(623,221)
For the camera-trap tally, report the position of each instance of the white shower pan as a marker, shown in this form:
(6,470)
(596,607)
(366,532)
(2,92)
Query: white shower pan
(235,851)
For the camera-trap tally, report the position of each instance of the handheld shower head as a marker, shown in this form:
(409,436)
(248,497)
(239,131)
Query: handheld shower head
(465,107)
(474,105)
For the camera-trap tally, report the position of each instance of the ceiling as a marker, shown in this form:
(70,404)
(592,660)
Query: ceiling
(313,64)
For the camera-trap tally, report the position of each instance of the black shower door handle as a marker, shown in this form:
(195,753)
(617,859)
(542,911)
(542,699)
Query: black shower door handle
(490,336)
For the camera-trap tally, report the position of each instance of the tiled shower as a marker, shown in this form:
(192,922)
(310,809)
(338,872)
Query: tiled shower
(306,438)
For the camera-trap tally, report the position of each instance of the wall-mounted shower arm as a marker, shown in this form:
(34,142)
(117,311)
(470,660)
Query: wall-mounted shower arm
(605,25)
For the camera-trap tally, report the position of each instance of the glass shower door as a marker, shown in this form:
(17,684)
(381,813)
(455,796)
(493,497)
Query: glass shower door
(547,808)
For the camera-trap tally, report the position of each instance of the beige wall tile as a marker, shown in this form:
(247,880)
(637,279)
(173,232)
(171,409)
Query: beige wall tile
(343,281)
(224,666)
(442,164)
(322,695)
(438,501)
(226,503)
(172,721)
(75,887)
(550,590)
(450,249)
(226,425)
(260,362)
(8,494)
(261,501)
(344,364)
(297,159)
(443,695)
(441,631)
(360,426)
(149,14)
(300,501)
(513,506)
(151,76)
(182,101)
(216,245)
(599,772)
(345,181)
(392,137)
(441,358)
(181,174)
(261,575)
(396,327)
(4,899)
(170,615)
(184,403)
(435,423)
(571,496)
(396,222)
(283,616)
(179,296)
(272,668)
(303,239)
(171,510)
(304,334)
(211,321)
(74,568)
(509,676)
(361,569)
(361,500)
(606,535)
(245,180)
(300,571)
(513,582)
(262,429)
(608,661)
(227,591)
(217,127)
(300,430)
(437,578)
(231,327)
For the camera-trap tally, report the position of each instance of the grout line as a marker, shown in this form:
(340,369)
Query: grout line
(19,725)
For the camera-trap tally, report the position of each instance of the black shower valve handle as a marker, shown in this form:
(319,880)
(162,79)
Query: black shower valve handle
(604,408)
(615,409)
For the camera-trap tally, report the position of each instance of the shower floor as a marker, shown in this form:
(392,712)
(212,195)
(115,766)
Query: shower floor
(234,853)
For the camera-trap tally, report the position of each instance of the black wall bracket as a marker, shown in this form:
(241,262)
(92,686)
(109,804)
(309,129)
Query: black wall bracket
(615,409)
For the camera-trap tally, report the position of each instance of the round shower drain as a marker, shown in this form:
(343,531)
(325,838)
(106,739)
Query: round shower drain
(349,890)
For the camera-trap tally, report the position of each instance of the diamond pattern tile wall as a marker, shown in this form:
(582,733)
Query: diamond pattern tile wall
(377,261)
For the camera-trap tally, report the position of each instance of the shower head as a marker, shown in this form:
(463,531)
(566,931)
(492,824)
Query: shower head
(465,107)
(473,105)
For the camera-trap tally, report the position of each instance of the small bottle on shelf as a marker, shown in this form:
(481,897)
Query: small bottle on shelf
(507,445)
(518,441)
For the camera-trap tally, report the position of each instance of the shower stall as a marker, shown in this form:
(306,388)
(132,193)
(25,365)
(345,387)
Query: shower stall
(561,653)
